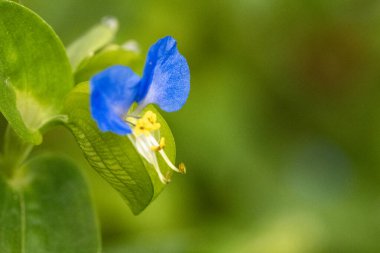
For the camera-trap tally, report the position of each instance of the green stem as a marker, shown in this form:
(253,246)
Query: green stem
(15,151)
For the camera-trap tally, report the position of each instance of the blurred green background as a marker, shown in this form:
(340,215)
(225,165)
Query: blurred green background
(280,135)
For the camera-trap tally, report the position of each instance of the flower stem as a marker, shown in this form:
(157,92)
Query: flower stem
(15,151)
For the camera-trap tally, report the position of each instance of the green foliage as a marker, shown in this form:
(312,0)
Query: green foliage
(35,74)
(95,39)
(44,202)
(114,157)
(112,55)
(45,207)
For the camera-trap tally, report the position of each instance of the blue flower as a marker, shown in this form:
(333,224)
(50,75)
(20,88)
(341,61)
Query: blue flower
(165,82)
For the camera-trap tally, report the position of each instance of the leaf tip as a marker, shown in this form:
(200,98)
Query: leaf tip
(111,22)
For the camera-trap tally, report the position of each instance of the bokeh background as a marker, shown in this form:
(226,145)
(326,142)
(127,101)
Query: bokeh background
(281,133)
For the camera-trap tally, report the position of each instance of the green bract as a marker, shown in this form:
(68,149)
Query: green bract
(111,55)
(96,38)
(113,156)
(35,74)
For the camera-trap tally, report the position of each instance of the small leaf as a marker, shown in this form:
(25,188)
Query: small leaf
(46,208)
(35,74)
(112,55)
(95,39)
(114,157)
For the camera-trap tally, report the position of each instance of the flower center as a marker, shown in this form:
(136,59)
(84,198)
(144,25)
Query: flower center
(144,125)
(147,145)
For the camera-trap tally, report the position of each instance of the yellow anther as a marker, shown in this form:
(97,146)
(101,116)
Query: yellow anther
(160,147)
(147,124)
(151,117)
(182,168)
(162,143)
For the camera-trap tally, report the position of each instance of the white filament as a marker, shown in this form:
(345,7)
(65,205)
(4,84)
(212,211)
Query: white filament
(143,147)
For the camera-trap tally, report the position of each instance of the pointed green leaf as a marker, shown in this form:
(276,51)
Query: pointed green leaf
(112,55)
(114,157)
(35,74)
(94,39)
(46,208)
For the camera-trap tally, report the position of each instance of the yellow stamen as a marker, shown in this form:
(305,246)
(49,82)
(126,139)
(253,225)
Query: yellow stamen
(149,145)
(162,142)
(151,117)
(146,124)
(160,147)
(182,168)
(168,177)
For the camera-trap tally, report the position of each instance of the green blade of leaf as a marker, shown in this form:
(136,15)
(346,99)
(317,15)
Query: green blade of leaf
(35,74)
(94,39)
(114,157)
(46,208)
(112,55)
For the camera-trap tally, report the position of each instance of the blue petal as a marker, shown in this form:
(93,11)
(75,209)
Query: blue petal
(112,93)
(166,79)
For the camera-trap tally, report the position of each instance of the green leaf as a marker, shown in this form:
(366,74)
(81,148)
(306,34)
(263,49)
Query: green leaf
(46,208)
(94,39)
(35,74)
(114,157)
(112,55)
